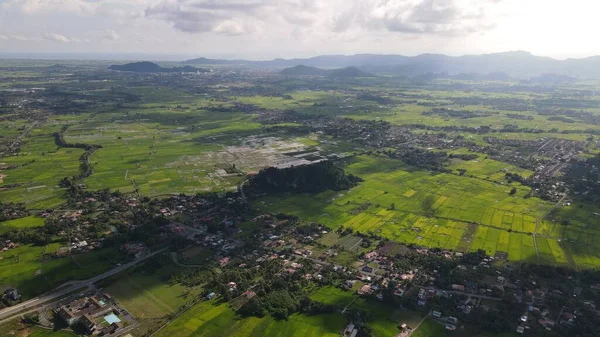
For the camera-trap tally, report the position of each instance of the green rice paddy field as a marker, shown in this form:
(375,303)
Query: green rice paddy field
(213,319)
(26,222)
(445,210)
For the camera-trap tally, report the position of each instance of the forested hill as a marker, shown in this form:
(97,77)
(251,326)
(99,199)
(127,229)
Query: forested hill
(302,70)
(149,67)
(303,179)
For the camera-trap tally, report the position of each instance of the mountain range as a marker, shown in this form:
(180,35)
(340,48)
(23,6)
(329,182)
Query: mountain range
(518,64)
(149,67)
(302,70)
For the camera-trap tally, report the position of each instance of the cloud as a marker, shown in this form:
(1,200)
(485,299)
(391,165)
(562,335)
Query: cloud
(61,38)
(233,16)
(111,35)
(56,37)
(236,17)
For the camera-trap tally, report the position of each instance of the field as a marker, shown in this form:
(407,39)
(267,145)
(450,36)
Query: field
(150,297)
(26,222)
(33,273)
(41,166)
(437,210)
(212,319)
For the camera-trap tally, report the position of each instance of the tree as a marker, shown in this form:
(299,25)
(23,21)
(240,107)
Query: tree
(513,191)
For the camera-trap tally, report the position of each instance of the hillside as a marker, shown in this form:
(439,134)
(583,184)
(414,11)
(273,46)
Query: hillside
(149,67)
(348,72)
(302,70)
(519,64)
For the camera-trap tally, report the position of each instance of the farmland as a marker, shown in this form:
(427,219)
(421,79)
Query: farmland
(213,319)
(33,272)
(442,210)
(479,173)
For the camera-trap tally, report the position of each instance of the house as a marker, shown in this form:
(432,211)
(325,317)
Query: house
(436,314)
(12,294)
(371,255)
(452,320)
(211,296)
(524,318)
(458,287)
(366,269)
(366,289)
(546,323)
(520,329)
(450,327)
(500,279)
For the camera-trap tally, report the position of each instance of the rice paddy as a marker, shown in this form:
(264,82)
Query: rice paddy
(440,210)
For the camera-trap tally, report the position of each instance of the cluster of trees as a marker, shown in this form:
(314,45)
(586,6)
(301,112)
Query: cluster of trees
(463,156)
(281,303)
(583,177)
(9,211)
(303,179)
(463,114)
(429,160)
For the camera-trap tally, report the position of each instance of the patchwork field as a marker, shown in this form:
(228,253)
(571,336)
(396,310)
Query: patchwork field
(441,210)
(37,169)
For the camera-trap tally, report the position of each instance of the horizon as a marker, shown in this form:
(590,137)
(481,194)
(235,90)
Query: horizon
(268,29)
(163,57)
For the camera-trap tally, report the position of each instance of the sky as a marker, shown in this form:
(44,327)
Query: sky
(266,29)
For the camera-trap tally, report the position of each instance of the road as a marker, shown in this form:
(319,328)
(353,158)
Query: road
(462,293)
(13,311)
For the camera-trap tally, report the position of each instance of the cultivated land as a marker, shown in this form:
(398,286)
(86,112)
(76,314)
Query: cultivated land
(501,185)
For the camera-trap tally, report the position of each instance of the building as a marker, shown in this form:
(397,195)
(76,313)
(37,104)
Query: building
(436,314)
(366,289)
(88,312)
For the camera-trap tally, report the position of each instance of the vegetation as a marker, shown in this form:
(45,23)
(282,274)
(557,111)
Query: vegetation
(303,179)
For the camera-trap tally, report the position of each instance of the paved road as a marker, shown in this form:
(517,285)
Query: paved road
(13,311)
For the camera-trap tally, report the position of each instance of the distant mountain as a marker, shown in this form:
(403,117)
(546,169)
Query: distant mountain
(325,61)
(302,70)
(348,72)
(553,79)
(519,64)
(149,67)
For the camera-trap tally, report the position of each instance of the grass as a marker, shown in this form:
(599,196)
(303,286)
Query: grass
(148,295)
(26,222)
(33,273)
(214,319)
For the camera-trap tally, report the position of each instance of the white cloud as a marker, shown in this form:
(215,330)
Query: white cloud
(61,38)
(111,35)
(56,37)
